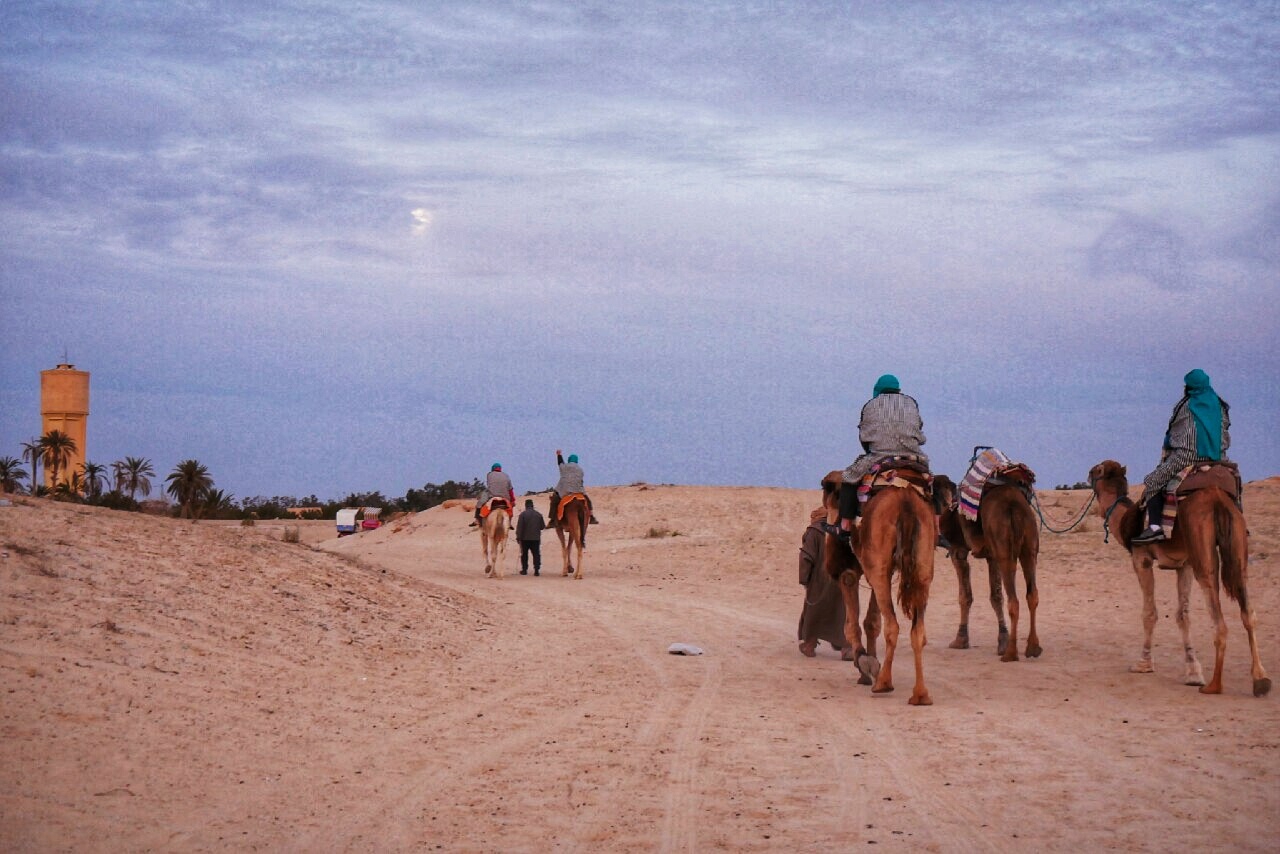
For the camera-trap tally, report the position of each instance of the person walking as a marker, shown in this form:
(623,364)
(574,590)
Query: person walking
(529,535)
(822,617)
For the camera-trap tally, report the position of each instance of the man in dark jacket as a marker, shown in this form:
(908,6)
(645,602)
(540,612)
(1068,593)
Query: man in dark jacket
(529,535)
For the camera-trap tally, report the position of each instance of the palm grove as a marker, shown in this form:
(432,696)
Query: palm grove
(190,486)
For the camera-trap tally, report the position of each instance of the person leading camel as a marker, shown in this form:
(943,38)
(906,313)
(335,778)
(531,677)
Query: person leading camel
(890,425)
(822,617)
(1198,432)
(571,481)
(496,485)
(529,535)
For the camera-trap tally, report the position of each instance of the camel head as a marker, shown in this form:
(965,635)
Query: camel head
(1109,475)
(944,492)
(831,489)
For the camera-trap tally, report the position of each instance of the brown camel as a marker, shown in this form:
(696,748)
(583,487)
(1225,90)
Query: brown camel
(1210,543)
(897,534)
(571,528)
(1006,534)
(493,536)
(841,564)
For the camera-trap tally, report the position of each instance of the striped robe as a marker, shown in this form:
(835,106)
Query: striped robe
(1181,450)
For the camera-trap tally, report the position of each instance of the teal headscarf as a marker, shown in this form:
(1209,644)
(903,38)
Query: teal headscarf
(888,382)
(1206,409)
(573,458)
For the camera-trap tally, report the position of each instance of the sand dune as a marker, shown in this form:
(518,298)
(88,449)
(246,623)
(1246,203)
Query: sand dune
(180,686)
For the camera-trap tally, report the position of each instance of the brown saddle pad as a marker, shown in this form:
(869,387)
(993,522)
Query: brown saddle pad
(1224,475)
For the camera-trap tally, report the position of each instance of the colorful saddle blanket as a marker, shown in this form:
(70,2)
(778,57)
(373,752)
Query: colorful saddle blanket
(494,504)
(902,471)
(1222,474)
(565,502)
(990,467)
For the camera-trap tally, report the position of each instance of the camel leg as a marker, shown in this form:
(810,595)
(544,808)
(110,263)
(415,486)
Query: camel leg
(919,693)
(1146,580)
(996,586)
(1008,570)
(960,560)
(924,578)
(577,573)
(1033,601)
(484,548)
(564,551)
(872,626)
(1192,673)
(883,592)
(852,632)
(1208,579)
(1261,684)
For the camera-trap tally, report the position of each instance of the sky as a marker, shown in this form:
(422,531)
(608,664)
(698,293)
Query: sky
(334,247)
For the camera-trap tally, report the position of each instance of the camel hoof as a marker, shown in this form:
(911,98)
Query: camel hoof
(869,667)
(1002,644)
(1261,687)
(1143,667)
(876,689)
(1193,680)
(1011,654)
(1210,689)
(1034,651)
(961,642)
(921,700)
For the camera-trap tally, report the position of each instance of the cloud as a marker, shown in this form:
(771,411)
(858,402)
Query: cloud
(1134,246)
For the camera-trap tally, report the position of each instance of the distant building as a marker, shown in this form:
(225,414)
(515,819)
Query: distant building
(64,406)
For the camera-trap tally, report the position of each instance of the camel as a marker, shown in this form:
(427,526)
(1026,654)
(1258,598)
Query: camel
(1006,534)
(897,534)
(840,563)
(493,536)
(1210,543)
(571,528)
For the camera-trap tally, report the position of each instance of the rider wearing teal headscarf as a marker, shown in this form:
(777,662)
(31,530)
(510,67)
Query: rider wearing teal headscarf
(1198,431)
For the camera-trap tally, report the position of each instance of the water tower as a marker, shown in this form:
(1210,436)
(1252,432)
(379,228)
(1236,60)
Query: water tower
(64,405)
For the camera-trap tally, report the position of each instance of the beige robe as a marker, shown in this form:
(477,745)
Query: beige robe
(822,617)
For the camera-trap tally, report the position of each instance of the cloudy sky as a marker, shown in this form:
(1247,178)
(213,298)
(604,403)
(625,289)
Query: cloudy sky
(328,247)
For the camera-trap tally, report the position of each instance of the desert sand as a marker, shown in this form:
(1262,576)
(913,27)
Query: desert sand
(191,687)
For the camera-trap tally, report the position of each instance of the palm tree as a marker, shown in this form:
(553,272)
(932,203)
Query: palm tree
(33,450)
(93,476)
(215,502)
(133,475)
(58,450)
(188,483)
(11,471)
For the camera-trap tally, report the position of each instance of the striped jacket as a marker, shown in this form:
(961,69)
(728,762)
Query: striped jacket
(1182,446)
(890,424)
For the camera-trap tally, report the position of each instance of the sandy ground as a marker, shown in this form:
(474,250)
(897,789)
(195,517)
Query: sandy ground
(184,687)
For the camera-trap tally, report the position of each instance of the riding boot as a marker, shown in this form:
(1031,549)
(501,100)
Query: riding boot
(849,505)
(591,512)
(1155,514)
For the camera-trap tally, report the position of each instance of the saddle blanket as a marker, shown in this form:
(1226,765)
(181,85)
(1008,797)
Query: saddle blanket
(565,502)
(904,471)
(494,504)
(989,465)
(1223,474)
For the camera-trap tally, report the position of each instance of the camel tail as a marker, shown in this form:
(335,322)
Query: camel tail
(909,589)
(1231,550)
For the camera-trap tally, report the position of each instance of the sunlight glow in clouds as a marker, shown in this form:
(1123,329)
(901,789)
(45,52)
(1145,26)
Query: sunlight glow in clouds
(421,220)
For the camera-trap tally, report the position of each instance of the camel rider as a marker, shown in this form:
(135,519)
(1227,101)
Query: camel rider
(496,485)
(571,481)
(890,425)
(1198,432)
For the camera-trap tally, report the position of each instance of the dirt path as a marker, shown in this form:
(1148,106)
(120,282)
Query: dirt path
(586,733)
